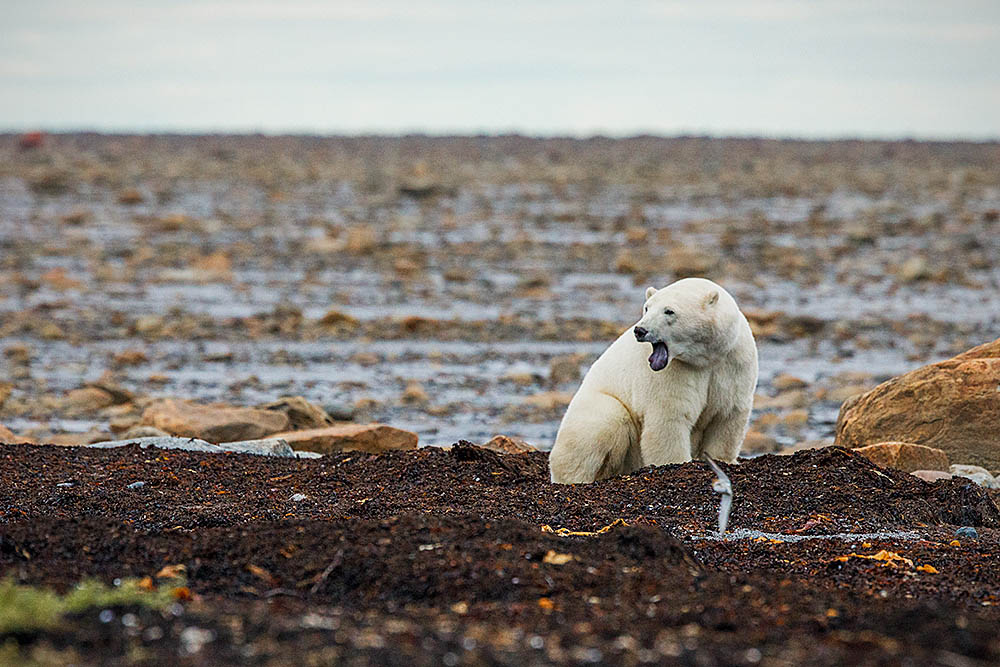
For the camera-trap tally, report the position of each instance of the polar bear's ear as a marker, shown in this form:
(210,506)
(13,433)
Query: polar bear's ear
(712,298)
(650,291)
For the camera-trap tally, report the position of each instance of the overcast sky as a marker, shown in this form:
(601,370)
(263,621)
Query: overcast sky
(825,68)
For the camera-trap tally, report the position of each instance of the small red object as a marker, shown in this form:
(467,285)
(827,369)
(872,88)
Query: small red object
(31,140)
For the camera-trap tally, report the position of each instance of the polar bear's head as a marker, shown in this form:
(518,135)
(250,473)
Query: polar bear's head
(693,320)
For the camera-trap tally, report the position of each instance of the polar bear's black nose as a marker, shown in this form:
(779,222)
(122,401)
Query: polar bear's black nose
(640,333)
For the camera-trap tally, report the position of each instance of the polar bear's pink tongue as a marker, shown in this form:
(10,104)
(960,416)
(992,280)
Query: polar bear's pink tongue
(661,355)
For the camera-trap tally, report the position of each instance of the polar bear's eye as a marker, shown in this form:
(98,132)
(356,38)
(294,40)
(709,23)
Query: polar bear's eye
(668,312)
(645,309)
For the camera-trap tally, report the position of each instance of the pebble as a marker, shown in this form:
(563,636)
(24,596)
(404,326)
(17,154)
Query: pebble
(64,485)
(136,485)
(967,531)
(298,497)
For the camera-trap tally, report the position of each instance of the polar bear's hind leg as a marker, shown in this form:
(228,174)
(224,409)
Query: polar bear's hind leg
(597,439)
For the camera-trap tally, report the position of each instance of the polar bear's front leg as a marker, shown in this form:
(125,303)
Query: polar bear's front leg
(595,440)
(724,435)
(665,441)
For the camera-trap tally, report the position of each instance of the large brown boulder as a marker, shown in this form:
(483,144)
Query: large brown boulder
(953,405)
(371,438)
(213,423)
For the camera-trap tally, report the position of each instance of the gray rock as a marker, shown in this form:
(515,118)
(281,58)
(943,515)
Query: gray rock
(959,469)
(977,474)
(967,531)
(136,485)
(161,442)
(340,411)
(266,447)
(297,497)
(307,455)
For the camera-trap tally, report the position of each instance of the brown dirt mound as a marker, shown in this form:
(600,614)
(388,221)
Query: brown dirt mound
(439,557)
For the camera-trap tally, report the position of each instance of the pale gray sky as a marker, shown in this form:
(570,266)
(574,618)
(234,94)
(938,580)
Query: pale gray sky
(820,68)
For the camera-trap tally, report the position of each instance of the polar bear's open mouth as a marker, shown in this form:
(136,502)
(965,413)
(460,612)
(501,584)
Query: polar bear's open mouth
(661,355)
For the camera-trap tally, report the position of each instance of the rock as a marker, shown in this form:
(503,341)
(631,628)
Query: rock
(967,532)
(301,413)
(931,475)
(508,445)
(759,443)
(913,269)
(372,438)
(905,456)
(549,400)
(130,197)
(784,382)
(123,424)
(264,447)
(414,393)
(953,405)
(130,357)
(786,400)
(977,474)
(86,399)
(339,412)
(336,319)
(566,369)
(214,423)
(58,279)
(142,431)
(76,439)
(523,379)
(268,447)
(795,419)
(119,395)
(10,438)
(136,485)
(297,497)
(960,469)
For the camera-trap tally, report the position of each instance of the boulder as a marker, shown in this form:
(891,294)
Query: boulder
(301,413)
(214,423)
(372,438)
(953,405)
(931,475)
(508,445)
(905,456)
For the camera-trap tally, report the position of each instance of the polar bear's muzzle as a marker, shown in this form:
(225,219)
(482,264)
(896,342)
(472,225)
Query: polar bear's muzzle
(660,357)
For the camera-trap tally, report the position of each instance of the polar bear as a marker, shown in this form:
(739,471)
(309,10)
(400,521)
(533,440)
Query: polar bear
(691,398)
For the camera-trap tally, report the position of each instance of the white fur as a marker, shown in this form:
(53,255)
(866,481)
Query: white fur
(626,416)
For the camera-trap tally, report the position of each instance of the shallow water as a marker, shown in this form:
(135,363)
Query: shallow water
(537,249)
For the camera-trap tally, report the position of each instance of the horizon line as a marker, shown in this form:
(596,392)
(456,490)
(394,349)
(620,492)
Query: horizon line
(500,133)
